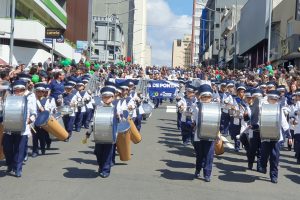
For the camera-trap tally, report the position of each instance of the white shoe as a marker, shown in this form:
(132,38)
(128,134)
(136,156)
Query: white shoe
(237,137)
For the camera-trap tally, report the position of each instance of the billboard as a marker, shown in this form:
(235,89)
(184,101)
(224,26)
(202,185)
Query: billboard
(84,45)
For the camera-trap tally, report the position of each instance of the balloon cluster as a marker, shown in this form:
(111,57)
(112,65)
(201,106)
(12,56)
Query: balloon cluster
(66,62)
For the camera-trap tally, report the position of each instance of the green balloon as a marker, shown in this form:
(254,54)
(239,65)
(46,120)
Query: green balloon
(87,64)
(35,78)
(66,63)
(96,67)
(92,72)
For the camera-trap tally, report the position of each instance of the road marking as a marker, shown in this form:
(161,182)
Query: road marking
(227,143)
(171,109)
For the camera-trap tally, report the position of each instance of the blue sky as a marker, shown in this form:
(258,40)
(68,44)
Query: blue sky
(181,7)
(167,20)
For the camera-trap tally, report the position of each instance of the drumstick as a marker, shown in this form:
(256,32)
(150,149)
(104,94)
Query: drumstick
(32,128)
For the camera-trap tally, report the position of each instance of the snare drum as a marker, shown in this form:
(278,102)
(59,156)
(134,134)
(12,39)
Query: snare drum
(15,114)
(51,125)
(65,110)
(103,122)
(270,117)
(209,118)
(147,109)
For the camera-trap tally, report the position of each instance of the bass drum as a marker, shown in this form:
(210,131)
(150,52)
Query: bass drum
(209,118)
(103,121)
(65,110)
(61,122)
(15,114)
(270,116)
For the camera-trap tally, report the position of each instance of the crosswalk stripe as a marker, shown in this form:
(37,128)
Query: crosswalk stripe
(227,143)
(171,109)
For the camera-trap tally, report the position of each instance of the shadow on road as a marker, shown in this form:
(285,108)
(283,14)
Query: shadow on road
(281,160)
(182,153)
(171,120)
(86,152)
(171,134)
(172,130)
(3,173)
(294,178)
(170,139)
(231,175)
(73,172)
(178,164)
(230,159)
(85,161)
(171,175)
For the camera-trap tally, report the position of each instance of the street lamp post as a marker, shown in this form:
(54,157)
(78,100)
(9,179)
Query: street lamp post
(12,30)
(269,30)
(235,38)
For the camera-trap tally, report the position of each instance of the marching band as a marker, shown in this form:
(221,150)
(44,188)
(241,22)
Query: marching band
(259,117)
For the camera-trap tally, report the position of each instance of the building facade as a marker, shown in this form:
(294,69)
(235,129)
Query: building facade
(181,52)
(32,18)
(285,35)
(210,35)
(124,11)
(229,36)
(253,45)
(198,7)
(108,39)
(140,32)
(148,55)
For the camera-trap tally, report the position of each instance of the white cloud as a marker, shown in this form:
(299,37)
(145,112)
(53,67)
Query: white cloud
(164,26)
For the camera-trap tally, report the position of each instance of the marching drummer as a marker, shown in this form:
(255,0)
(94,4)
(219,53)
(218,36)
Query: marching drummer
(31,102)
(69,99)
(254,134)
(104,151)
(235,120)
(270,150)
(294,119)
(226,100)
(89,101)
(50,106)
(80,108)
(204,148)
(39,134)
(184,106)
(14,143)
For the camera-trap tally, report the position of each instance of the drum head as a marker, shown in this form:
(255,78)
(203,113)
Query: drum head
(123,126)
(42,118)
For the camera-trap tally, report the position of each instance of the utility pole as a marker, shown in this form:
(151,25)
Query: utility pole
(269,30)
(235,37)
(12,30)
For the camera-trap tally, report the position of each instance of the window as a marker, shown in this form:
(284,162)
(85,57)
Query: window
(232,38)
(217,25)
(179,43)
(218,9)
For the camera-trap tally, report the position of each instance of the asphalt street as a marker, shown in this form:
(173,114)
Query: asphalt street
(160,168)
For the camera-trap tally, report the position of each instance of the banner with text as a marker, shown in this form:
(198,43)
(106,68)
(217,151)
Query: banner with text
(161,88)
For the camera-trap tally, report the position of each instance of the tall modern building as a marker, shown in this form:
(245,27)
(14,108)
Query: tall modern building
(181,52)
(148,55)
(198,7)
(140,32)
(114,17)
(210,35)
(32,18)
(229,36)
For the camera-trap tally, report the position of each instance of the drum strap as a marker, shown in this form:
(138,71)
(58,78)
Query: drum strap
(40,106)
